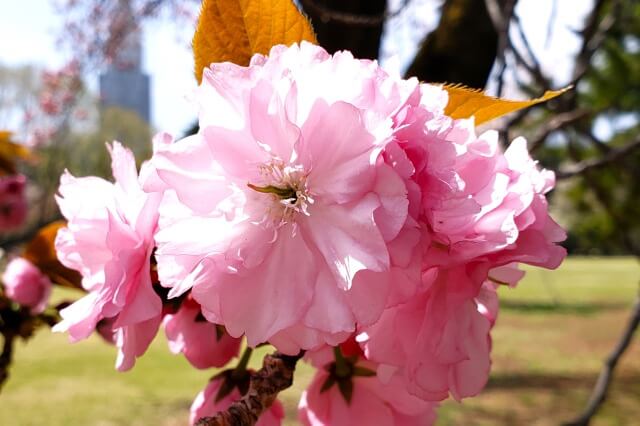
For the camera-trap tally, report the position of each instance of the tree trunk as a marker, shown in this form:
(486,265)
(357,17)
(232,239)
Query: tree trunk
(354,25)
(462,49)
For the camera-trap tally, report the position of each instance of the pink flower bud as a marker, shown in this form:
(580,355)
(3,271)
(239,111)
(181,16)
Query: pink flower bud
(26,285)
(202,343)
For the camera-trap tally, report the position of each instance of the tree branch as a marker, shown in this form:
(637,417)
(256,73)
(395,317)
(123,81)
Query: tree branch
(534,68)
(464,26)
(6,356)
(593,34)
(275,376)
(594,163)
(599,394)
(556,123)
(501,18)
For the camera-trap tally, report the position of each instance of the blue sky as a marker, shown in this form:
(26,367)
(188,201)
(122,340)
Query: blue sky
(28,30)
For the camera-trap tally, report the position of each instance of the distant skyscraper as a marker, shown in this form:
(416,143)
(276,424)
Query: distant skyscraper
(124,85)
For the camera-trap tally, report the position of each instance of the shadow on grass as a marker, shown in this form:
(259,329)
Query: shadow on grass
(542,399)
(628,382)
(562,308)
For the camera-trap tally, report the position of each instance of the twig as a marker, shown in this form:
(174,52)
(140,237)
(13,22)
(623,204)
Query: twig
(599,393)
(594,34)
(275,376)
(501,19)
(556,123)
(551,22)
(6,356)
(591,164)
(535,67)
(599,144)
(603,197)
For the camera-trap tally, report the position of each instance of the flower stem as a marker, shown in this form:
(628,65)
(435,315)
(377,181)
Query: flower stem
(241,368)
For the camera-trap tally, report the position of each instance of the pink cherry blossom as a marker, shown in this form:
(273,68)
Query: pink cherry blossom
(104,329)
(287,182)
(372,403)
(438,341)
(25,284)
(205,405)
(13,204)
(109,240)
(487,301)
(202,343)
(479,211)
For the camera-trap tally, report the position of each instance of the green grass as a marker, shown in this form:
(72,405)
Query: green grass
(552,334)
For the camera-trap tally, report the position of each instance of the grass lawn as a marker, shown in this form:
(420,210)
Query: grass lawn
(551,337)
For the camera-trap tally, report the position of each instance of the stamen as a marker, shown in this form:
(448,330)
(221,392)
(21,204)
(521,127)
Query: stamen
(287,186)
(284,193)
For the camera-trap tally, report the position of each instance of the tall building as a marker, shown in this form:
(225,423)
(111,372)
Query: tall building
(124,84)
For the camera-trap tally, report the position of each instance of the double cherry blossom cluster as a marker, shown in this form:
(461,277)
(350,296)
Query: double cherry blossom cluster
(324,206)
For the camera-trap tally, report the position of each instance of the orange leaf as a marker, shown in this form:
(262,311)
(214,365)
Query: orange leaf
(10,152)
(41,252)
(234,30)
(465,102)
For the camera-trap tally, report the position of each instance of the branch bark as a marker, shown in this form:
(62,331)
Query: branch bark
(465,26)
(612,156)
(556,123)
(501,18)
(6,356)
(354,25)
(599,393)
(275,376)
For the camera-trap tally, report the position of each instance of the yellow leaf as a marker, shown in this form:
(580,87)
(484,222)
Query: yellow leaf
(11,151)
(41,252)
(234,30)
(465,102)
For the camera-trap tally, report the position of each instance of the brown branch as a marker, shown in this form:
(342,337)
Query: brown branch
(603,197)
(501,18)
(611,157)
(599,393)
(6,356)
(534,68)
(594,34)
(275,376)
(464,26)
(556,123)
